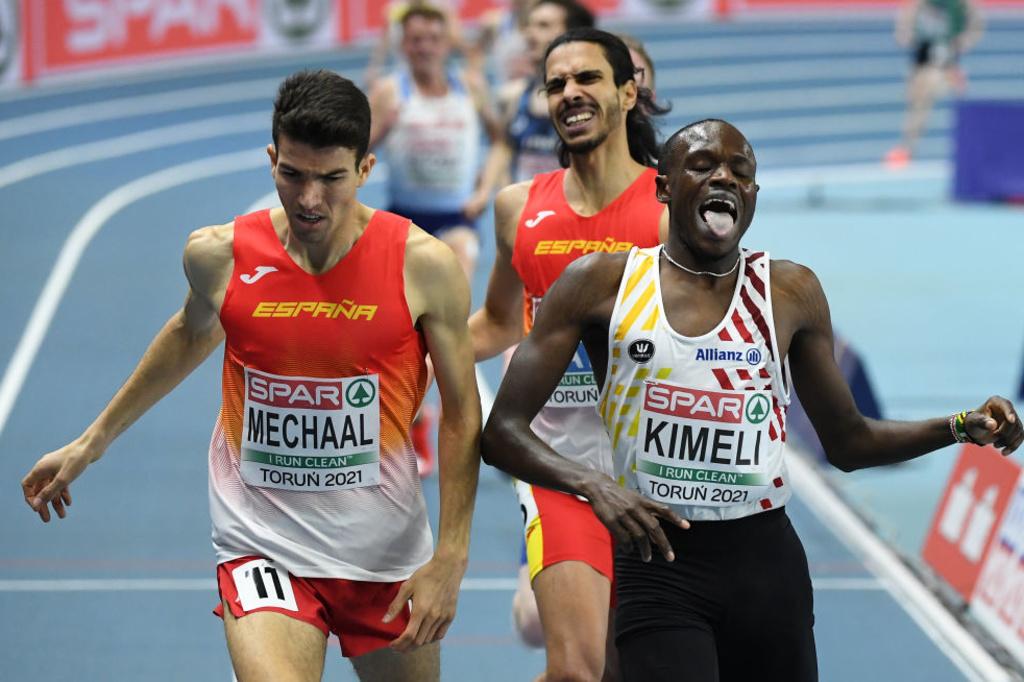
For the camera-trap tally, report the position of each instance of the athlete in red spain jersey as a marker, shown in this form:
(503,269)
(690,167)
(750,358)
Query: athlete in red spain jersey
(321,377)
(603,202)
(327,309)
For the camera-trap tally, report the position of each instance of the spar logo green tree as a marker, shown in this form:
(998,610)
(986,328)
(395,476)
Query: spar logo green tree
(757,409)
(360,393)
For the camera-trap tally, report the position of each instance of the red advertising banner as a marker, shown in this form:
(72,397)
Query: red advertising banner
(977,496)
(998,601)
(66,35)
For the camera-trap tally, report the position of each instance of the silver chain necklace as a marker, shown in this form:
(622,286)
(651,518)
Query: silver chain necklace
(701,273)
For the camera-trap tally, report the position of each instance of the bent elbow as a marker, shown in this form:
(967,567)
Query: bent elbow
(841,459)
(489,442)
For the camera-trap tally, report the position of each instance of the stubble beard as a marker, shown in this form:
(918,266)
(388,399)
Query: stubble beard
(586,145)
(613,118)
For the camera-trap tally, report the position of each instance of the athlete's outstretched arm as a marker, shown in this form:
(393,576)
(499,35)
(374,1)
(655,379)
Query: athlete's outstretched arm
(579,302)
(498,324)
(187,338)
(851,440)
(438,296)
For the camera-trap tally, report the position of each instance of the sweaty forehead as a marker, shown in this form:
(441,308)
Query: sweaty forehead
(571,58)
(714,135)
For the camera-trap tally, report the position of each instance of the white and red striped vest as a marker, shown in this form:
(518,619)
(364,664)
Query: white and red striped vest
(698,423)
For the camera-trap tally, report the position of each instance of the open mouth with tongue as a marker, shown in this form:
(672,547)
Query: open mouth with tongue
(719,214)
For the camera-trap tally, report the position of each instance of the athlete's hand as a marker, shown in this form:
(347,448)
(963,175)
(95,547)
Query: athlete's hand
(434,590)
(47,483)
(995,423)
(632,518)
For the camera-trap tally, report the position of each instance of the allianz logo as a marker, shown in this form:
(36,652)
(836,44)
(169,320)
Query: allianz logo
(752,356)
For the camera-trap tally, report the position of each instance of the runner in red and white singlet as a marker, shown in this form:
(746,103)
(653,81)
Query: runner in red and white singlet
(327,309)
(696,345)
(310,461)
(603,202)
(549,236)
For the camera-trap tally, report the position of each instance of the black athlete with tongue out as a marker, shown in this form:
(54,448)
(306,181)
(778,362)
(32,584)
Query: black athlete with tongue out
(693,343)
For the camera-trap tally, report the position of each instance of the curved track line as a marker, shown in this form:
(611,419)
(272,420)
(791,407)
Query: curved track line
(137,105)
(77,242)
(114,147)
(209,584)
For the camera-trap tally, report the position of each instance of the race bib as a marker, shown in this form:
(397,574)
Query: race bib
(301,433)
(261,583)
(703,448)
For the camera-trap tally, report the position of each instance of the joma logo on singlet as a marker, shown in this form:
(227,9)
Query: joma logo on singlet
(555,247)
(325,309)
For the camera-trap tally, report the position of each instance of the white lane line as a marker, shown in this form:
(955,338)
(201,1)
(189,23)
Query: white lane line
(353,59)
(204,584)
(77,242)
(785,70)
(145,140)
(110,585)
(847,584)
(928,612)
(846,41)
(804,99)
(262,90)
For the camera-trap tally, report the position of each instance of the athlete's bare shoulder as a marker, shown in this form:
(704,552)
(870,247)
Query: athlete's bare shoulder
(797,296)
(424,252)
(513,196)
(433,276)
(589,285)
(600,268)
(209,259)
(508,208)
(793,280)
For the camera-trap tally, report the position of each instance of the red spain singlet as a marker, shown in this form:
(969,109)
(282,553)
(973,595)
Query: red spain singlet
(310,461)
(550,235)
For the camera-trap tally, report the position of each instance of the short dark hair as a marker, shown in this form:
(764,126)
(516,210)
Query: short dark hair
(672,143)
(427,12)
(641,131)
(576,14)
(322,109)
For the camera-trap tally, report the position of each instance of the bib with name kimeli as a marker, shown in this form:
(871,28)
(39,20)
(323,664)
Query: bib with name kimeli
(303,433)
(703,447)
